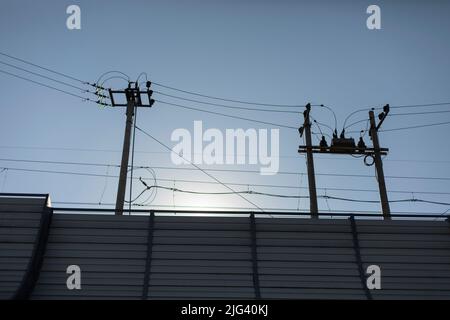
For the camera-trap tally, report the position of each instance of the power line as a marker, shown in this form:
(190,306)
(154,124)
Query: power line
(225,115)
(226,106)
(419,113)
(208,182)
(127,78)
(60,172)
(167,152)
(62,162)
(355,112)
(43,68)
(224,170)
(319,124)
(199,94)
(420,105)
(355,123)
(395,107)
(197,167)
(201,181)
(48,78)
(318,174)
(51,87)
(275,195)
(226,99)
(411,127)
(390,201)
(334,115)
(417,126)
(251,192)
(41,84)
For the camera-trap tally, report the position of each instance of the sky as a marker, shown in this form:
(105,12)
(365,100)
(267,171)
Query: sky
(274,52)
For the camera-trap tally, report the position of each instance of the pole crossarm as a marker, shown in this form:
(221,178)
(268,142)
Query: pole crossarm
(133,93)
(343,150)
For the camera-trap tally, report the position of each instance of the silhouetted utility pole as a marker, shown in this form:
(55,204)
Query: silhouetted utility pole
(379,164)
(313,208)
(133,98)
(347,146)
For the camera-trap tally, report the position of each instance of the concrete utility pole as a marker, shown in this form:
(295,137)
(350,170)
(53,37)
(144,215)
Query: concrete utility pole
(133,96)
(125,155)
(379,166)
(313,207)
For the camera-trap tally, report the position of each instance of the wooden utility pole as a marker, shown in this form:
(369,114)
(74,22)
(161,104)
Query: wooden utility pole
(133,96)
(379,167)
(313,208)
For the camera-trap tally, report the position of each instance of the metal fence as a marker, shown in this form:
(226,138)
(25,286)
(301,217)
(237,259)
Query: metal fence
(162,254)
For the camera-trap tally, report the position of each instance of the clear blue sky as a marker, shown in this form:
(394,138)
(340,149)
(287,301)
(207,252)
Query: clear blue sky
(284,52)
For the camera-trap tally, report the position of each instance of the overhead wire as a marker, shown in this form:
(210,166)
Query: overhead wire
(51,87)
(226,170)
(416,126)
(226,99)
(43,68)
(418,113)
(226,115)
(334,115)
(224,105)
(284,196)
(198,94)
(46,77)
(142,74)
(112,71)
(420,105)
(197,167)
(229,183)
(166,152)
(87,99)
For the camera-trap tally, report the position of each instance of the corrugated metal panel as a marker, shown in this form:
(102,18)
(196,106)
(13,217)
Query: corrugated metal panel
(186,257)
(203,257)
(110,250)
(414,257)
(19,225)
(307,258)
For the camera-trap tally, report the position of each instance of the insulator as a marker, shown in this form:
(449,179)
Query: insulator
(361,144)
(323,144)
(335,135)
